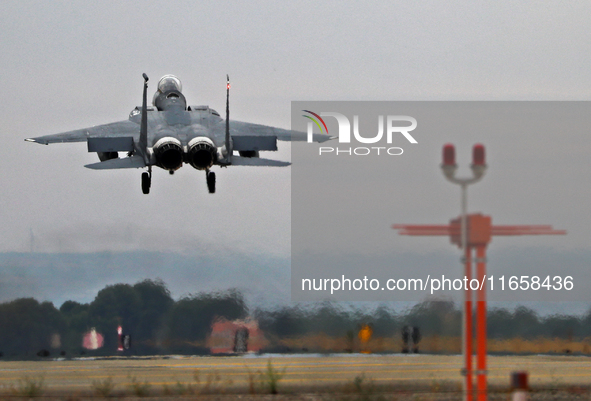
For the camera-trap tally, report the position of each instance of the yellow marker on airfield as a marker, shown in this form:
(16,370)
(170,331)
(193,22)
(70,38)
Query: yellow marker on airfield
(364,336)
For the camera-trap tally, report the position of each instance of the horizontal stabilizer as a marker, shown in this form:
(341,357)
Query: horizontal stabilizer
(127,162)
(257,161)
(111,144)
(252,142)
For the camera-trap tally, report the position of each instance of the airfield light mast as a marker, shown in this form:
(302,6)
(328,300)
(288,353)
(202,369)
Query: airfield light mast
(470,232)
(449,168)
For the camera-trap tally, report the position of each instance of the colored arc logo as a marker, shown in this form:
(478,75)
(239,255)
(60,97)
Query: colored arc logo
(316,120)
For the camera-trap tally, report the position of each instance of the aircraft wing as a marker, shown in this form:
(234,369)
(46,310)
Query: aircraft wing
(119,129)
(238,128)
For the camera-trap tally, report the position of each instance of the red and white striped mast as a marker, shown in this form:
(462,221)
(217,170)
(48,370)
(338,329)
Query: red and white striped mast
(478,168)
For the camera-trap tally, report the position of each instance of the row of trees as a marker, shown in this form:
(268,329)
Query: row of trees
(159,324)
(146,310)
(440,318)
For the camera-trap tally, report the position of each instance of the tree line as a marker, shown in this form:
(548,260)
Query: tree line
(158,324)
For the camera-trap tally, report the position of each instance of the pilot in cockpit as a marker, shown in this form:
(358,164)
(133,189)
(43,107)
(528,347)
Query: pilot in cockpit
(169,94)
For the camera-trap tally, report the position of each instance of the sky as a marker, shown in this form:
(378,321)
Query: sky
(69,65)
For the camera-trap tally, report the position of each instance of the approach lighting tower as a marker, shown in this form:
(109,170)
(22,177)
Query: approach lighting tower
(470,232)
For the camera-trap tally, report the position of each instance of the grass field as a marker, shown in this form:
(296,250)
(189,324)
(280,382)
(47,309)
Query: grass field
(294,374)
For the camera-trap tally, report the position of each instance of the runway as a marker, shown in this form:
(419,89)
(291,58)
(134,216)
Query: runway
(300,371)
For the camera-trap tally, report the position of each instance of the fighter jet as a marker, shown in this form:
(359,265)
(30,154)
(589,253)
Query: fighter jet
(169,134)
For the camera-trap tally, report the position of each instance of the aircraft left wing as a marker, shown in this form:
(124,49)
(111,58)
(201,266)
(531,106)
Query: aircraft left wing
(238,128)
(119,129)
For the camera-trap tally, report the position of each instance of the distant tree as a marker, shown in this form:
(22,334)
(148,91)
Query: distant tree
(114,305)
(27,326)
(154,295)
(330,319)
(586,324)
(435,317)
(285,321)
(191,317)
(500,324)
(386,322)
(73,307)
(156,303)
(526,323)
(562,326)
(77,322)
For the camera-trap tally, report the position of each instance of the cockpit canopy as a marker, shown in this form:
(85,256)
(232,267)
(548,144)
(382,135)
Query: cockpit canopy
(169,93)
(169,82)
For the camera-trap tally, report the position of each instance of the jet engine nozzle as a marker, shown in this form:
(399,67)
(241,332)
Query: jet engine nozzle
(201,153)
(169,153)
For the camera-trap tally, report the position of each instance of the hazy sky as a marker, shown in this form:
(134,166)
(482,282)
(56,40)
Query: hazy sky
(69,65)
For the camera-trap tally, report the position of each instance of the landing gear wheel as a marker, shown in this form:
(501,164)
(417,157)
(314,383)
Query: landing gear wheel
(211,182)
(146,183)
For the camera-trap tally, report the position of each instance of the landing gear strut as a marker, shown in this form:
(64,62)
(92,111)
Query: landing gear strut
(146,181)
(210,181)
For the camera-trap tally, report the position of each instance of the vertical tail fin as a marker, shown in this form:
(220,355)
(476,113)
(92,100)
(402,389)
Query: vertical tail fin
(143,145)
(228,144)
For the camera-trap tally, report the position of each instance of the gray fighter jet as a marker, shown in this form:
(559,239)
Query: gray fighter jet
(170,133)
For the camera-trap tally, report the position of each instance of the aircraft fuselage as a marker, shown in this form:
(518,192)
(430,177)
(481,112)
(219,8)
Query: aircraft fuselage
(179,134)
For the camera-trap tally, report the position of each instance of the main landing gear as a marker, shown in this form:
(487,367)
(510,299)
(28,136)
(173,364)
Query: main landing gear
(210,181)
(146,181)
